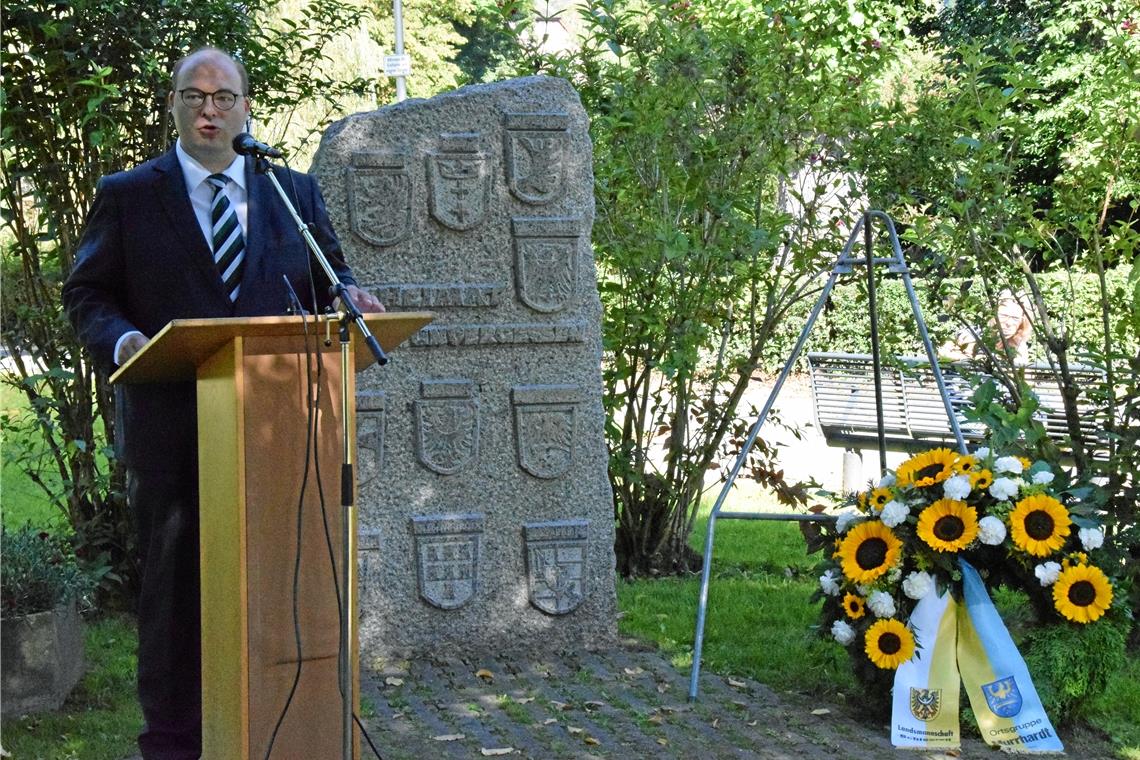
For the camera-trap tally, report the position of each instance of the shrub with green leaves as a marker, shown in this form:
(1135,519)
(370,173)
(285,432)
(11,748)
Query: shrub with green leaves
(40,572)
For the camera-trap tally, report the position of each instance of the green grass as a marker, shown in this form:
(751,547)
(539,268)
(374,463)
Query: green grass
(100,719)
(21,500)
(759,620)
(760,624)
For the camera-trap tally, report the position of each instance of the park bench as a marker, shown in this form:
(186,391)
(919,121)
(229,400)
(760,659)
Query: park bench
(914,417)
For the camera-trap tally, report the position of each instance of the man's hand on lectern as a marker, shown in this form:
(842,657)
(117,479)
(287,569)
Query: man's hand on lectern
(364,300)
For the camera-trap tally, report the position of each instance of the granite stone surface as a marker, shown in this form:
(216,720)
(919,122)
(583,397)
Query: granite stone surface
(486,516)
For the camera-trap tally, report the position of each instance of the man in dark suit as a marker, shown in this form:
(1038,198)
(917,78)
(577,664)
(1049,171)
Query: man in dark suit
(195,233)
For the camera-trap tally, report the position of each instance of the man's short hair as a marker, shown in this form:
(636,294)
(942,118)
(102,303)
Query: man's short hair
(178,66)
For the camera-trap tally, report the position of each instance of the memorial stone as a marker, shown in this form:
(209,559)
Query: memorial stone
(486,516)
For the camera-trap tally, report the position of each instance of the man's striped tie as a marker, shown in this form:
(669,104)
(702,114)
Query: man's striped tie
(229,245)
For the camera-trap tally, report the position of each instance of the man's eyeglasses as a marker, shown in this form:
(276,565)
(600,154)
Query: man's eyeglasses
(194,98)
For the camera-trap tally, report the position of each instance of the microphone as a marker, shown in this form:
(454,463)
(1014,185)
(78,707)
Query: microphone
(245,145)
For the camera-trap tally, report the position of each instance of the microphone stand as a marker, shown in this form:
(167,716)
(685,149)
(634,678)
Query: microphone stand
(349,314)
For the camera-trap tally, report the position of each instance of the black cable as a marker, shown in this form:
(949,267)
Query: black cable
(310,427)
(312,454)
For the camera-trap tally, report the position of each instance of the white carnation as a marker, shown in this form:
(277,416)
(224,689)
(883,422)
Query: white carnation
(1043,478)
(1091,538)
(846,519)
(894,513)
(991,530)
(882,604)
(1008,464)
(829,582)
(887,480)
(842,632)
(982,453)
(918,584)
(956,487)
(1005,488)
(1048,573)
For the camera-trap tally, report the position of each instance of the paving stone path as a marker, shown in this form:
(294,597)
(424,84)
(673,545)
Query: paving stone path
(630,702)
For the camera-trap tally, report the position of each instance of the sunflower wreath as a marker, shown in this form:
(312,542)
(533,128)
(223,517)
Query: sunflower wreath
(1018,522)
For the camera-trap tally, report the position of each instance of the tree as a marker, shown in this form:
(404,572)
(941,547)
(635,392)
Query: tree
(718,132)
(80,102)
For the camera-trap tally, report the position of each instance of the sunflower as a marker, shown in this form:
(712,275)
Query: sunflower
(965,465)
(980,480)
(889,644)
(854,606)
(948,525)
(868,551)
(1039,524)
(927,468)
(1076,558)
(1082,593)
(879,498)
(862,501)
(1025,463)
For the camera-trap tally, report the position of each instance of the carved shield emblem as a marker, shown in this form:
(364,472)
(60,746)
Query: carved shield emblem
(380,197)
(447,425)
(447,558)
(1003,697)
(546,262)
(459,177)
(544,427)
(537,147)
(556,564)
(369,435)
(925,704)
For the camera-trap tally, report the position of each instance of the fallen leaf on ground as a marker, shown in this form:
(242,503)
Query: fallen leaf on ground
(549,721)
(393,681)
(575,730)
(656,720)
(559,705)
(716,723)
(821,711)
(594,704)
(491,751)
(592,740)
(662,687)
(753,722)
(736,683)
(449,737)
(485,674)
(663,742)
(633,671)
(525,700)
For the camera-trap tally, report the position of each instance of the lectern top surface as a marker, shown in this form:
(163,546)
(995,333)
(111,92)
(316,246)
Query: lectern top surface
(183,344)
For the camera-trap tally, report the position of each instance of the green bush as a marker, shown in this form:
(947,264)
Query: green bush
(1072,665)
(40,572)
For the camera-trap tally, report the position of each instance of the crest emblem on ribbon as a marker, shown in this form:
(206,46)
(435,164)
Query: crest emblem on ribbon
(544,427)
(925,704)
(380,197)
(446,425)
(459,177)
(536,150)
(546,261)
(1003,697)
(447,558)
(556,564)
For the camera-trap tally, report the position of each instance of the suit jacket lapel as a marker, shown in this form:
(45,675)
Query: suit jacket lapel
(171,191)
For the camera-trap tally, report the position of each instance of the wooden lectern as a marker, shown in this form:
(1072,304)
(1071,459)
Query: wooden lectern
(253,418)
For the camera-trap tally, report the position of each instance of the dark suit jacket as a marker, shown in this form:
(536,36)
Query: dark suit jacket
(143,261)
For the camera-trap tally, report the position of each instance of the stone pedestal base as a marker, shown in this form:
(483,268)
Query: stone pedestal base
(43,660)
